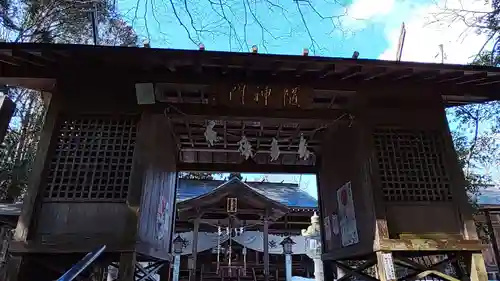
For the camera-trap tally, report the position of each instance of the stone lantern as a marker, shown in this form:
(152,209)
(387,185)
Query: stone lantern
(313,246)
(178,246)
(287,245)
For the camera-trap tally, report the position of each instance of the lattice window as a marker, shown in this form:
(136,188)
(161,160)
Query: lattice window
(92,159)
(411,165)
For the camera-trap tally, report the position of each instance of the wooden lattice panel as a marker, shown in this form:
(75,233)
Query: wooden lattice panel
(92,159)
(411,165)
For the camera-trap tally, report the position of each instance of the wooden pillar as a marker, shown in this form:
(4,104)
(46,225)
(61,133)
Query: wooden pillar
(328,267)
(493,238)
(97,272)
(164,272)
(475,266)
(7,108)
(26,218)
(13,268)
(385,267)
(478,268)
(126,270)
(36,176)
(266,248)
(195,246)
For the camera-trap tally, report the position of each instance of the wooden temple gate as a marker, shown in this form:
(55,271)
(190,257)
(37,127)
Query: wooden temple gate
(122,122)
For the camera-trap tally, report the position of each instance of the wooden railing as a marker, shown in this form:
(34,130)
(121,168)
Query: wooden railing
(254,272)
(5,237)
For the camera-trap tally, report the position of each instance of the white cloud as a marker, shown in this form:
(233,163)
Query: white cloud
(423,37)
(362,10)
(423,33)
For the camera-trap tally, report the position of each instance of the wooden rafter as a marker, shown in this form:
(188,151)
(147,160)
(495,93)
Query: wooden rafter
(42,61)
(245,168)
(207,112)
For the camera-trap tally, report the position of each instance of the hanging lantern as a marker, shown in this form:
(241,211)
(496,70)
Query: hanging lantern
(304,153)
(245,148)
(287,244)
(178,244)
(210,134)
(275,150)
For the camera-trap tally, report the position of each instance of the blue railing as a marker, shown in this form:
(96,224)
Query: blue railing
(80,266)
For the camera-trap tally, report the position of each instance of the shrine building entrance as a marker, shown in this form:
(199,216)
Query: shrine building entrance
(237,229)
(392,203)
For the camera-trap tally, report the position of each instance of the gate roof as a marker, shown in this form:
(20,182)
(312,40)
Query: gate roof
(38,65)
(193,87)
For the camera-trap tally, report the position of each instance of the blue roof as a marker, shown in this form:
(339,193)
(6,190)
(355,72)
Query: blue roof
(288,194)
(489,197)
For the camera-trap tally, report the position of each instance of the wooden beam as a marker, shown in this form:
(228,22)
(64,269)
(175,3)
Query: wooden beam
(224,211)
(7,108)
(392,245)
(245,168)
(203,111)
(351,72)
(327,70)
(311,78)
(68,247)
(30,58)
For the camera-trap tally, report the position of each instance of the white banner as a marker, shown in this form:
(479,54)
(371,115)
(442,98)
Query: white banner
(253,240)
(347,216)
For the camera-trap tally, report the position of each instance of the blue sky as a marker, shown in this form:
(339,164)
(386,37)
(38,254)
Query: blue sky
(370,27)
(339,27)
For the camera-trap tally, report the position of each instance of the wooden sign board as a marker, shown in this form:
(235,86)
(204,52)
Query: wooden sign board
(264,96)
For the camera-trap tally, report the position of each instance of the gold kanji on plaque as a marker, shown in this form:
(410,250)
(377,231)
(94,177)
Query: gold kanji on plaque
(232,205)
(262,93)
(238,89)
(290,97)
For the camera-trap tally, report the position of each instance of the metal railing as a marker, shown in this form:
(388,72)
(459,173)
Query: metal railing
(80,266)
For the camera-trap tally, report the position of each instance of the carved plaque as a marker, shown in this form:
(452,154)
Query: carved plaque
(264,96)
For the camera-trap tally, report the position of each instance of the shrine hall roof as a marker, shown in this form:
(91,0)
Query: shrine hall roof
(288,194)
(490,198)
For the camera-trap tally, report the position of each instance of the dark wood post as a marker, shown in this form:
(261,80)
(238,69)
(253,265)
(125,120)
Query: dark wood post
(266,247)
(195,247)
(493,238)
(7,108)
(328,267)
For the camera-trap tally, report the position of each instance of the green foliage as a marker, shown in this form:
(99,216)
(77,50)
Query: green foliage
(476,142)
(63,21)
(47,21)
(18,150)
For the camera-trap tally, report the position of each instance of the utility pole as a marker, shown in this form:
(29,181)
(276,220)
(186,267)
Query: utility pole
(441,49)
(93,16)
(89,6)
(401,42)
